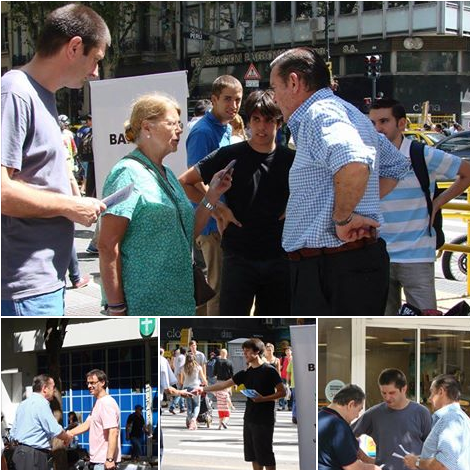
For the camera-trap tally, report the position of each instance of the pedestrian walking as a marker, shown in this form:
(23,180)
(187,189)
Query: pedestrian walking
(192,377)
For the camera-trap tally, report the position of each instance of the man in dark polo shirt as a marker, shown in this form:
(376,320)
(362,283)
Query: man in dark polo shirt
(254,264)
(337,446)
(258,422)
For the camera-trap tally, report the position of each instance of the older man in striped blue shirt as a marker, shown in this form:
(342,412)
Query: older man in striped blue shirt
(338,265)
(447,446)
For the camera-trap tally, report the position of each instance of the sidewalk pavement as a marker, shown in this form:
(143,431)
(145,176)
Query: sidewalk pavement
(86,301)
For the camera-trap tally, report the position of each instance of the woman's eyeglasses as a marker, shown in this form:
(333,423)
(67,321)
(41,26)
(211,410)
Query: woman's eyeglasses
(175,124)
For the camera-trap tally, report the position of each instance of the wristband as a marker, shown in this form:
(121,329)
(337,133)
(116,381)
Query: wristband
(117,310)
(122,304)
(342,223)
(207,204)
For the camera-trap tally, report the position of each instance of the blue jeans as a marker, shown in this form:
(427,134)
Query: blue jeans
(74,270)
(51,304)
(136,450)
(193,404)
(98,466)
(294,403)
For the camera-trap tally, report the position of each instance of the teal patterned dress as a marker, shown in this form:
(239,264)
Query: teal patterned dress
(156,256)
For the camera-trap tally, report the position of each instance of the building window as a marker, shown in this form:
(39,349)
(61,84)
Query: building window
(5,33)
(245,21)
(283,12)
(425,62)
(192,16)
(303,10)
(445,352)
(369,6)
(334,355)
(226,16)
(397,4)
(355,64)
(346,8)
(263,13)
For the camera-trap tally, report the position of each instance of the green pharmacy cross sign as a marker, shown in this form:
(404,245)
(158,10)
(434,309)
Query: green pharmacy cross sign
(147,326)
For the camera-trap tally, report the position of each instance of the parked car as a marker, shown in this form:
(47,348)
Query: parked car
(426,137)
(457,144)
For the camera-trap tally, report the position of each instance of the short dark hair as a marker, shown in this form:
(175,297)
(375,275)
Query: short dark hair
(39,381)
(305,62)
(392,376)
(224,81)
(100,375)
(349,393)
(138,406)
(449,383)
(255,344)
(182,350)
(398,110)
(69,21)
(262,101)
(201,107)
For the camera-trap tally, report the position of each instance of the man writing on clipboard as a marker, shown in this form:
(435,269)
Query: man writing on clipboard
(258,422)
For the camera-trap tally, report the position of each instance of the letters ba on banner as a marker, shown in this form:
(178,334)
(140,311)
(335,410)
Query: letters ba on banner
(304,350)
(111,102)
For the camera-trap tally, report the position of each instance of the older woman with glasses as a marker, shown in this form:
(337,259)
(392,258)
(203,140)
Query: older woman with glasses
(145,242)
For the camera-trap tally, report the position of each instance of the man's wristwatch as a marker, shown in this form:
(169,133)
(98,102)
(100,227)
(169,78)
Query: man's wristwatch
(417,462)
(109,460)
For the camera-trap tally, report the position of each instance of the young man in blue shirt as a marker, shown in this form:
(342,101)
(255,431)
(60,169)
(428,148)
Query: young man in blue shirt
(208,134)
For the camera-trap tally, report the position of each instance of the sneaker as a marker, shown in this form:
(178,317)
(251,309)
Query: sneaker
(92,249)
(82,282)
(294,420)
(172,411)
(183,410)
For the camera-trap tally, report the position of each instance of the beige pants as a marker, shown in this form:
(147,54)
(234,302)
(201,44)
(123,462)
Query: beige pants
(210,247)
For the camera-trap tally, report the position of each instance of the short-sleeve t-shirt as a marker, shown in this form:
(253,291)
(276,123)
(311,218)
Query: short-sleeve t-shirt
(35,252)
(389,428)
(155,253)
(337,446)
(263,379)
(258,197)
(104,416)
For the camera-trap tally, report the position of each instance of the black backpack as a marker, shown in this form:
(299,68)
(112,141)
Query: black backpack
(85,148)
(421,171)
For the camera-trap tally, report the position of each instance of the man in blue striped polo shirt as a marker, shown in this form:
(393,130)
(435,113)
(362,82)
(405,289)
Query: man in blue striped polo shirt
(338,265)
(411,247)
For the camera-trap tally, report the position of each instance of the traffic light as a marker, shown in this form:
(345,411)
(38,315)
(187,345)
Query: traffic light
(373,65)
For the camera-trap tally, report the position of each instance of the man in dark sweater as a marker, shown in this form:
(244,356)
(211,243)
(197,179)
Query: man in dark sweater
(223,369)
(258,422)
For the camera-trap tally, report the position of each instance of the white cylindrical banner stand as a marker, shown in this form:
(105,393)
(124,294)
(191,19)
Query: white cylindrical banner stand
(111,102)
(304,347)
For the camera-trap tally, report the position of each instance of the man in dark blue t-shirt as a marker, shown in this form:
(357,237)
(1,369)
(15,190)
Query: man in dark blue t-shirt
(258,422)
(337,446)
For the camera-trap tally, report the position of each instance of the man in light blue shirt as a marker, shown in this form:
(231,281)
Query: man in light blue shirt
(211,132)
(448,445)
(338,265)
(35,426)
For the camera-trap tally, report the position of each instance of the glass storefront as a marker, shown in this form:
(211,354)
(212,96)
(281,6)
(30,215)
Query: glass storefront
(357,350)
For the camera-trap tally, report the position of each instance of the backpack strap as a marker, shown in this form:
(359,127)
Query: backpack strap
(418,163)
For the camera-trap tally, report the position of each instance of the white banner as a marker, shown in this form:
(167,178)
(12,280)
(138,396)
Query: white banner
(111,106)
(304,349)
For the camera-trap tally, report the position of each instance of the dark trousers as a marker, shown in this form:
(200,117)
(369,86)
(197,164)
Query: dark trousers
(243,280)
(28,458)
(136,447)
(350,283)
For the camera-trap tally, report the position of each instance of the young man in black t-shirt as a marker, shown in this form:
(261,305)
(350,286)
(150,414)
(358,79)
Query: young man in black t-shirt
(258,422)
(254,263)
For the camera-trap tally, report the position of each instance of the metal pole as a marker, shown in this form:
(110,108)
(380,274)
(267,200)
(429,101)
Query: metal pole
(374,89)
(327,32)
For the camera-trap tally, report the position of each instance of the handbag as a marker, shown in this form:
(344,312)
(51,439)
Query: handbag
(203,292)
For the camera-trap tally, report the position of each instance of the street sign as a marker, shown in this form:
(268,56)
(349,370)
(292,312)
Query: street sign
(197,35)
(252,73)
(147,326)
(252,83)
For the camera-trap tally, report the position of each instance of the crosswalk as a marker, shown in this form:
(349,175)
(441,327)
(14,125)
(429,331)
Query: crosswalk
(211,448)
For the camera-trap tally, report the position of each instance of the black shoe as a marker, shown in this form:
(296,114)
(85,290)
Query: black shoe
(172,411)
(294,420)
